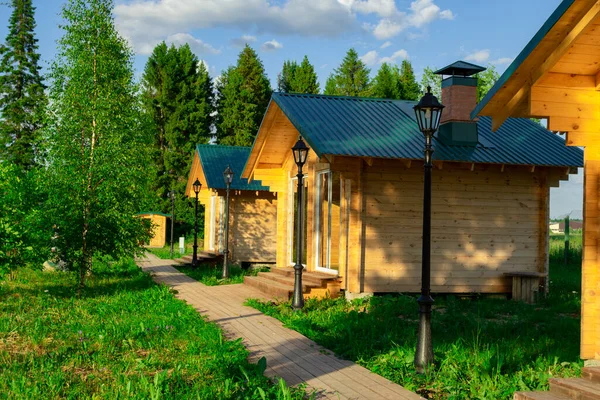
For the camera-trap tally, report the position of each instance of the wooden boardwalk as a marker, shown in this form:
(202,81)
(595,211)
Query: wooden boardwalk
(289,354)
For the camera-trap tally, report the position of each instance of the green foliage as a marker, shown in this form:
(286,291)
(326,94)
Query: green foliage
(212,275)
(98,175)
(22,98)
(484,348)
(24,238)
(124,338)
(386,84)
(350,79)
(243,95)
(411,90)
(178,98)
(295,78)
(485,81)
(432,80)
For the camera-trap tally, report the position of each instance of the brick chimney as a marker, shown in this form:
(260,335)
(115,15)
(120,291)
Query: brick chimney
(459,95)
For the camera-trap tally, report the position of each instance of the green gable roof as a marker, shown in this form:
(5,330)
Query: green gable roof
(366,127)
(215,159)
(533,43)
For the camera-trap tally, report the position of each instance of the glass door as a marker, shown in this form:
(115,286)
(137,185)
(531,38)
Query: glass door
(328,217)
(293,219)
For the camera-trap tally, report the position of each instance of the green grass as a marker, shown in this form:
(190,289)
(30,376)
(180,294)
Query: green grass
(124,338)
(165,252)
(484,348)
(213,275)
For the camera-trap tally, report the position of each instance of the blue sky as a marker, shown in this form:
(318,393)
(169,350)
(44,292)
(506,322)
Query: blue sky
(427,32)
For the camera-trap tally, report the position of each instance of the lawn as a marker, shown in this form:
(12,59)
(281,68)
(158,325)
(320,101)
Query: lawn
(484,348)
(125,337)
(165,251)
(212,275)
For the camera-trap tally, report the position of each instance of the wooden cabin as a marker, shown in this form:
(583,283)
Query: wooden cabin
(557,76)
(253,208)
(364,190)
(158,222)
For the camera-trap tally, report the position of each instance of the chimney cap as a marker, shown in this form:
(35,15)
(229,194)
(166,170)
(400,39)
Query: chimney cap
(462,68)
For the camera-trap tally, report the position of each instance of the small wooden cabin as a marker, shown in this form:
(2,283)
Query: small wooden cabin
(253,208)
(159,228)
(557,76)
(364,190)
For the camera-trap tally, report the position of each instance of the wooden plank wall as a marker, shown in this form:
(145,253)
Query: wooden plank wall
(590,302)
(484,222)
(253,227)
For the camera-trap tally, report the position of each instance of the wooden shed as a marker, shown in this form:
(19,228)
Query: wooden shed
(364,190)
(253,208)
(158,222)
(557,76)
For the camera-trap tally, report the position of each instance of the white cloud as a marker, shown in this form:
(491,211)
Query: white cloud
(370,58)
(243,40)
(271,45)
(420,14)
(479,56)
(386,45)
(197,45)
(502,61)
(394,58)
(383,8)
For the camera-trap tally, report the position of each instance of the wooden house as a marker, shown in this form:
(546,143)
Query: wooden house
(253,208)
(364,190)
(158,222)
(557,76)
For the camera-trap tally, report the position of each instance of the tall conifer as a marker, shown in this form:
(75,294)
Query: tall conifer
(386,83)
(351,78)
(22,98)
(411,90)
(298,78)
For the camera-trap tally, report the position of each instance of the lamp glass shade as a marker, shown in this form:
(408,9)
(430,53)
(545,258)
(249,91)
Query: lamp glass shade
(428,113)
(300,151)
(228,175)
(197,185)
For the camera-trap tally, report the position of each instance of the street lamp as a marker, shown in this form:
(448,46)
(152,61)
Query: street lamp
(197,185)
(228,177)
(428,113)
(172,196)
(300,151)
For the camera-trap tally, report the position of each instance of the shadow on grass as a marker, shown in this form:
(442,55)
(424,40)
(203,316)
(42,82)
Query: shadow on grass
(212,275)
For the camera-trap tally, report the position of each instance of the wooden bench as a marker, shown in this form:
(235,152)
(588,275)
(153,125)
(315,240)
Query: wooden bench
(525,285)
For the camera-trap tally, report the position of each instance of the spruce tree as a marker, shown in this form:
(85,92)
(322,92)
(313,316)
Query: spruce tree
(386,84)
(411,90)
(22,99)
(298,78)
(243,95)
(286,76)
(351,78)
(98,176)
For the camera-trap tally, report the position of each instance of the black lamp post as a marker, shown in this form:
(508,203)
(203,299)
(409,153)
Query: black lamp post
(172,196)
(300,151)
(197,185)
(428,113)
(228,176)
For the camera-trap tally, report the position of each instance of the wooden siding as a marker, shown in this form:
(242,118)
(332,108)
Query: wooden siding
(159,231)
(484,223)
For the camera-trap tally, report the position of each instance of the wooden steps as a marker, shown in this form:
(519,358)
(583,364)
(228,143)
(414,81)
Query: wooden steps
(279,283)
(585,388)
(202,256)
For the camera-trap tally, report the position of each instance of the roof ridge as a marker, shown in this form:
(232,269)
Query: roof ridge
(329,96)
(222,146)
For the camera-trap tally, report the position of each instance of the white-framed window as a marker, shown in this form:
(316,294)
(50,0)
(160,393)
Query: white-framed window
(328,189)
(212,223)
(293,219)
(221,224)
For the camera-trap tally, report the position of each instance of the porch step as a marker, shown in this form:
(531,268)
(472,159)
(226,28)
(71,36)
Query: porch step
(585,388)
(279,283)
(575,388)
(202,257)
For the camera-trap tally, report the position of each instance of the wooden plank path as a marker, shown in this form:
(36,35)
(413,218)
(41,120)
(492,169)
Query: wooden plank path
(290,355)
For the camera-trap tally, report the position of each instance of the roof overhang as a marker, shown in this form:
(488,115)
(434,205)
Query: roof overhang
(564,54)
(196,171)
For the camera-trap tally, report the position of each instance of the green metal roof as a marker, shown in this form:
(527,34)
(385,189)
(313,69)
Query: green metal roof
(533,43)
(460,68)
(367,127)
(215,158)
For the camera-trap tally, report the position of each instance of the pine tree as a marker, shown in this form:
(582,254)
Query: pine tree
(286,76)
(386,84)
(243,95)
(22,99)
(178,95)
(411,90)
(351,78)
(432,80)
(98,176)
